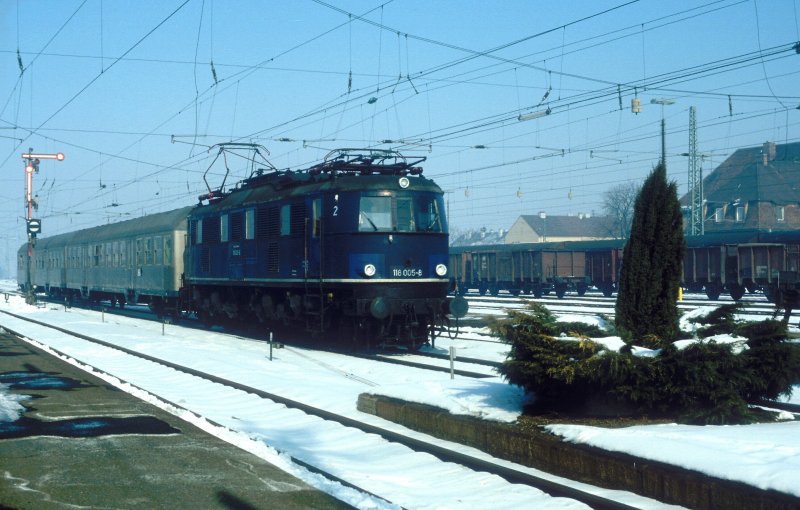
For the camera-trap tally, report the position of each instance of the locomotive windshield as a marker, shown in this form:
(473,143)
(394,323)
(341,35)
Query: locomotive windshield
(414,213)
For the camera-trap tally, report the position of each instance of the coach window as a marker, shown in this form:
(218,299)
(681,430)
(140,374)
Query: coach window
(718,215)
(375,213)
(286,220)
(779,214)
(739,214)
(250,224)
(96,255)
(167,251)
(148,251)
(223,228)
(157,245)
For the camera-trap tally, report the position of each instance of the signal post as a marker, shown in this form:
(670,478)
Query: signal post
(34,226)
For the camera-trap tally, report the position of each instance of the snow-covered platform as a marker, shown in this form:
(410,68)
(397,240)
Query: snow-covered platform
(68,439)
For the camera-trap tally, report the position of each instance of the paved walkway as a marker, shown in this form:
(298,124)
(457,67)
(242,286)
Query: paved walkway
(85,444)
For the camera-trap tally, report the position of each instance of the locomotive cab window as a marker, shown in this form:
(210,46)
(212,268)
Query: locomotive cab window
(428,214)
(400,214)
(374,214)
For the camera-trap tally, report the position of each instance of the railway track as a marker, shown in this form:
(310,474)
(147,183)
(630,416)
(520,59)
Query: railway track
(255,404)
(589,304)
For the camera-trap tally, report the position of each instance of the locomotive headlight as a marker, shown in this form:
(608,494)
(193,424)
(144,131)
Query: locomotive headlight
(441,269)
(369,270)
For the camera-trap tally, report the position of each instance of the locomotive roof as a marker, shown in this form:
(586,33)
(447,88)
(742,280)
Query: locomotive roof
(341,170)
(287,185)
(149,224)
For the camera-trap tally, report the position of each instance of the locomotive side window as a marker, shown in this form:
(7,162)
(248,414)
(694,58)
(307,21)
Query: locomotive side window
(197,231)
(223,228)
(250,224)
(375,213)
(285,220)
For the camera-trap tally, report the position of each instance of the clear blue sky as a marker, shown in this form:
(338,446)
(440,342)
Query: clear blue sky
(109,82)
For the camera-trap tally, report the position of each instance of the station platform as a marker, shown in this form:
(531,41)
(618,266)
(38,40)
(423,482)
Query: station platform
(85,444)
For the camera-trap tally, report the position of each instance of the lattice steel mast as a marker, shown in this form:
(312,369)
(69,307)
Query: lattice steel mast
(696,226)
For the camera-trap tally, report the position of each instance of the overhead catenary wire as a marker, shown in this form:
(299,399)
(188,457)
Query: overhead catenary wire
(427,136)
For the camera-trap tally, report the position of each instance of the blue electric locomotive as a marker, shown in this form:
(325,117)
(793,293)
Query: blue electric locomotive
(356,246)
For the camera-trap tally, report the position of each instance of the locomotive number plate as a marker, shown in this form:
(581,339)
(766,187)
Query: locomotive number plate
(406,272)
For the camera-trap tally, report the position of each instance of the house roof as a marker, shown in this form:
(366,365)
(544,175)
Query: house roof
(745,177)
(571,226)
(476,237)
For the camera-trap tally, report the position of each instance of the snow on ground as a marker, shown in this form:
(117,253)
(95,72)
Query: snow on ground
(10,408)
(766,455)
(763,455)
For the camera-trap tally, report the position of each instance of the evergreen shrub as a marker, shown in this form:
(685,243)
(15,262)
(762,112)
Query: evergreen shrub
(703,383)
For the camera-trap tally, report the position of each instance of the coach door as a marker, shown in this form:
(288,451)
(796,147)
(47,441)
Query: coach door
(313,257)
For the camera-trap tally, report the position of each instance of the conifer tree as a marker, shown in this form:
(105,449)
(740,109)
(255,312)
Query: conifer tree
(646,310)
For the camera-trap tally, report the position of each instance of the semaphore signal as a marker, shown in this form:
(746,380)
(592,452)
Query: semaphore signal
(33,225)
